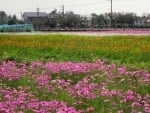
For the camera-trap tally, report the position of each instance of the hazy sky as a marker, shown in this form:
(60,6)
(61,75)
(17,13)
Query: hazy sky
(78,6)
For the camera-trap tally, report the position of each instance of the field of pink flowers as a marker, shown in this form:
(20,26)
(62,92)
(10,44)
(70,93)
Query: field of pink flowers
(68,87)
(102,32)
(92,32)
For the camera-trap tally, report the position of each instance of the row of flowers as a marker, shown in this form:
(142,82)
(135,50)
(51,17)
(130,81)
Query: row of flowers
(83,82)
(129,43)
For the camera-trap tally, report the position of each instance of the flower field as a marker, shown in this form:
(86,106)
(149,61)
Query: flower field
(129,50)
(74,74)
(108,32)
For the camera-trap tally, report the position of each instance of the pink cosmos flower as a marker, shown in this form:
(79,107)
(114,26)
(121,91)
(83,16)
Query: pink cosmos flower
(121,70)
(90,109)
(120,111)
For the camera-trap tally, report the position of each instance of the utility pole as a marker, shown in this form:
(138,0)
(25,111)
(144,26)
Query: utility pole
(63,14)
(38,11)
(111,15)
(63,10)
(21,15)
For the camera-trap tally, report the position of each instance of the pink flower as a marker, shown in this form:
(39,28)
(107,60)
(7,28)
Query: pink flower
(130,98)
(20,112)
(136,104)
(90,109)
(122,70)
(120,111)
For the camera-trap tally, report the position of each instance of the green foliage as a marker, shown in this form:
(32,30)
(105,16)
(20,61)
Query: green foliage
(129,50)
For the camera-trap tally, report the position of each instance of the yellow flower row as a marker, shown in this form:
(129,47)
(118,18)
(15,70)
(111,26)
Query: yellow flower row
(97,43)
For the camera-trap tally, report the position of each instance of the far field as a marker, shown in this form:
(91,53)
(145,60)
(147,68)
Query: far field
(128,50)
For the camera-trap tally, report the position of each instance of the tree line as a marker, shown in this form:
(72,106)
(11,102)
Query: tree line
(71,20)
(9,19)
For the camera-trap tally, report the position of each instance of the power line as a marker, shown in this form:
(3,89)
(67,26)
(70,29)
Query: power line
(74,5)
(63,6)
(81,4)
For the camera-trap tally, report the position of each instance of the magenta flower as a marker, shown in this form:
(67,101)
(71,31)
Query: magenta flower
(136,104)
(90,109)
(120,111)
(121,70)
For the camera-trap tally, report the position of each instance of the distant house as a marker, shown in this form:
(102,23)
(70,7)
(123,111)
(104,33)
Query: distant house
(38,19)
(143,22)
(148,22)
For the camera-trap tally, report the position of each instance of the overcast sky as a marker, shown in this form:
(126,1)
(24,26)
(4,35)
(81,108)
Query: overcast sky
(78,6)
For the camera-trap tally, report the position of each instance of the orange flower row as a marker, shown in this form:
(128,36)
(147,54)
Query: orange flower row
(113,44)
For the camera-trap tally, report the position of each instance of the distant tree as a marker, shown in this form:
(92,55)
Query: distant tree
(71,20)
(99,21)
(120,20)
(20,22)
(52,23)
(145,18)
(54,11)
(12,20)
(123,20)
(102,21)
(107,19)
(53,19)
(3,17)
(130,19)
(94,21)
(84,22)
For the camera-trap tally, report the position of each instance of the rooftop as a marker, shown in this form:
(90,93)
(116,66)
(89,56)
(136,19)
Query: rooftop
(35,14)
